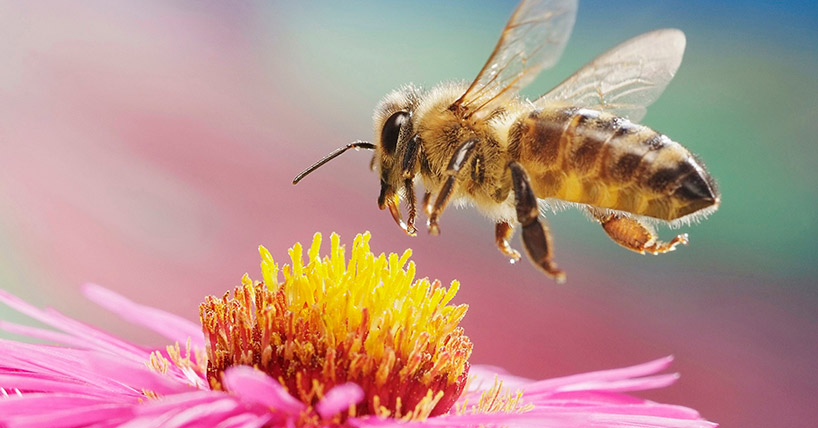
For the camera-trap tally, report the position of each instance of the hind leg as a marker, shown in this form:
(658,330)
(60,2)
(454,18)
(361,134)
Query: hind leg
(635,234)
(535,234)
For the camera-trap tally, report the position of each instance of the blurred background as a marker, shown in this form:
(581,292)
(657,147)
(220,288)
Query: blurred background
(149,147)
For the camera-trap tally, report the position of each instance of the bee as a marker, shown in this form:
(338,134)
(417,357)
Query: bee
(578,144)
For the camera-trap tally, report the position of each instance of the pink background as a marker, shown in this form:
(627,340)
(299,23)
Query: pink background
(149,148)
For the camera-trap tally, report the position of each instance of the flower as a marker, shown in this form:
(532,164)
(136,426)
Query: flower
(356,343)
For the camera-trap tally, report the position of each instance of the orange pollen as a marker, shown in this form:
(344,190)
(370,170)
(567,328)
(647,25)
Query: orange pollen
(364,320)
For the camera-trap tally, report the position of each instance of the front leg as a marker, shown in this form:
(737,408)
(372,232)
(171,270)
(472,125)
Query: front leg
(460,158)
(536,236)
(410,158)
(409,190)
(390,199)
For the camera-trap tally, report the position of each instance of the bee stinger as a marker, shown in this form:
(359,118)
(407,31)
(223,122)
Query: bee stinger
(577,144)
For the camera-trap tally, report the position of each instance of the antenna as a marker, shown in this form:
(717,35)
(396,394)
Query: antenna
(335,153)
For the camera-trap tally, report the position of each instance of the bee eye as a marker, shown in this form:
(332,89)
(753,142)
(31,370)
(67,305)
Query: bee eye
(391,131)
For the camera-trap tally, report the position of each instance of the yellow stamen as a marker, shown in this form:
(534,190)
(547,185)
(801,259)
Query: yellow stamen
(331,320)
(497,400)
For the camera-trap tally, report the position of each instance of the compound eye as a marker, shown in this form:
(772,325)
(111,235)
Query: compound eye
(391,131)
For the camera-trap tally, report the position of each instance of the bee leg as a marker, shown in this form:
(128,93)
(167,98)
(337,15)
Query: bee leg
(410,157)
(427,203)
(393,204)
(461,157)
(372,162)
(502,233)
(635,234)
(390,199)
(536,236)
(409,189)
(408,168)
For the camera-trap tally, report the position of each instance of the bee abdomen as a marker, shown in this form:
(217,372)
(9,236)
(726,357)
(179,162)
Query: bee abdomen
(590,157)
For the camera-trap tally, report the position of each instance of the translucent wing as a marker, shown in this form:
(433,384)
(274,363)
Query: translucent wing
(533,39)
(626,79)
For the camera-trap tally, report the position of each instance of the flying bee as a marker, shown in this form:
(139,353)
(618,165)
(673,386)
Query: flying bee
(578,144)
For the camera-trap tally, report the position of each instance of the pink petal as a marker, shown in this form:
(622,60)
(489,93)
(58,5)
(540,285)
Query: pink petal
(203,414)
(32,403)
(339,399)
(517,420)
(97,372)
(74,417)
(56,362)
(584,398)
(93,338)
(39,333)
(536,419)
(253,386)
(555,384)
(647,408)
(244,420)
(642,421)
(169,325)
(198,408)
(170,403)
(138,377)
(29,382)
(638,384)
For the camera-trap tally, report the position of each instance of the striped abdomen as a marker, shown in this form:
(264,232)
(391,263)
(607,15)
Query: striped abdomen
(595,158)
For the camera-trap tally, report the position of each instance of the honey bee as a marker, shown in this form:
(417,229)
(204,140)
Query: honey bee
(578,144)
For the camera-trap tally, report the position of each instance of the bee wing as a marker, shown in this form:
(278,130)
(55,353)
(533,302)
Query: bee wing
(532,40)
(626,79)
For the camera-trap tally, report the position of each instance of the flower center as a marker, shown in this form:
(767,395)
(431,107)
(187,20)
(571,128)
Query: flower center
(332,321)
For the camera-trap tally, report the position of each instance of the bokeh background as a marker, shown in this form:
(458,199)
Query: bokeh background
(149,147)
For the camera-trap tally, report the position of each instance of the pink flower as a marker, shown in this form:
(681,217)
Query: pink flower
(353,343)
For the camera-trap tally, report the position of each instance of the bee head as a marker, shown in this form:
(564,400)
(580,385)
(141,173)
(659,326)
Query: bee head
(393,130)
